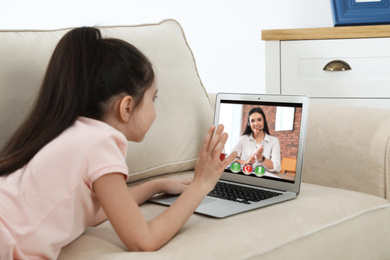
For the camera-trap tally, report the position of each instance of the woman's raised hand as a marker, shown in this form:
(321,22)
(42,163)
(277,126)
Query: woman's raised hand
(209,167)
(259,153)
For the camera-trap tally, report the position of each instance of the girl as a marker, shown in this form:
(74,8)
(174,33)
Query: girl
(64,169)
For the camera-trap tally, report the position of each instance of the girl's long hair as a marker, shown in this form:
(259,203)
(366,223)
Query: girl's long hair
(84,72)
(248,130)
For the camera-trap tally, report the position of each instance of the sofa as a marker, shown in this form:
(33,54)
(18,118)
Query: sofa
(342,211)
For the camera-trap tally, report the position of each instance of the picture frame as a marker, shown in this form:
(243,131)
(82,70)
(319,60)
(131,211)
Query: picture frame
(360,12)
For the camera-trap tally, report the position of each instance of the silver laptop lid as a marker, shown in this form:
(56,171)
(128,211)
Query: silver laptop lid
(286,118)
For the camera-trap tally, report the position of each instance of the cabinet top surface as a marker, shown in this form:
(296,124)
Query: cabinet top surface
(348,32)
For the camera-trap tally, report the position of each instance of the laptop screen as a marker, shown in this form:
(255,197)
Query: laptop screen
(266,136)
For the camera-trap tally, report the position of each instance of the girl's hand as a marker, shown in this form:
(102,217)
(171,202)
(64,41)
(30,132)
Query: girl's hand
(174,185)
(209,167)
(146,190)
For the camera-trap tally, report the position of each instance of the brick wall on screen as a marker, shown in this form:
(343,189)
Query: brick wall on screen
(288,139)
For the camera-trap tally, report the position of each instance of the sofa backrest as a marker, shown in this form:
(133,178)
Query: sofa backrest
(184,111)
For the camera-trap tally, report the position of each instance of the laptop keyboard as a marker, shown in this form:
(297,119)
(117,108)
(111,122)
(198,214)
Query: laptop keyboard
(241,194)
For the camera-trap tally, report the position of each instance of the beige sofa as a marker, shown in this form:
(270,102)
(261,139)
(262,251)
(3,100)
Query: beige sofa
(342,211)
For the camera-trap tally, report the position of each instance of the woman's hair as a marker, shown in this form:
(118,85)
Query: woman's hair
(84,72)
(248,130)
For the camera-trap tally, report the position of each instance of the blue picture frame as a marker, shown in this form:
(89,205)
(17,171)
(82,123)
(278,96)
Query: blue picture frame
(360,12)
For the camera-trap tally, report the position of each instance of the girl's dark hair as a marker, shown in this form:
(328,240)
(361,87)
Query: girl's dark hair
(248,130)
(84,72)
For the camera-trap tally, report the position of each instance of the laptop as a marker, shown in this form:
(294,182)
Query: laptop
(259,183)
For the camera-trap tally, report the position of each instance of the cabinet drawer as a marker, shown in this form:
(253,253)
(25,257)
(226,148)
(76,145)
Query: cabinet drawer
(302,64)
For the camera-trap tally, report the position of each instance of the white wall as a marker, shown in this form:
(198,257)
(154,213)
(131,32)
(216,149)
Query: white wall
(225,35)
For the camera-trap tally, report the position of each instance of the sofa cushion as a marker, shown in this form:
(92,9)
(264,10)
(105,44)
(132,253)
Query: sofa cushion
(184,112)
(322,223)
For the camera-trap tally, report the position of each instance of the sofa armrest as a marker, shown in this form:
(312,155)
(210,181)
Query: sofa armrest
(348,147)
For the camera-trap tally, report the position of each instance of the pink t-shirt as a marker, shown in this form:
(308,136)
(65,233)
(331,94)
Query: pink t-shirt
(50,202)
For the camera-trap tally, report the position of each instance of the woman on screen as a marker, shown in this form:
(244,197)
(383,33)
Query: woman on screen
(256,145)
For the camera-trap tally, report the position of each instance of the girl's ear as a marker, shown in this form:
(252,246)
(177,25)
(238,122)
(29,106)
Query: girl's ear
(126,108)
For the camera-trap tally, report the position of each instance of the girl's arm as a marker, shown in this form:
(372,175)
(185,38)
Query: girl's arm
(126,217)
(145,191)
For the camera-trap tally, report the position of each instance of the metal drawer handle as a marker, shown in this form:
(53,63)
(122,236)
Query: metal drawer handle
(337,65)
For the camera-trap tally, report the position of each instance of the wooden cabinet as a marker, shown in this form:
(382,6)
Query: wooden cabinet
(299,61)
